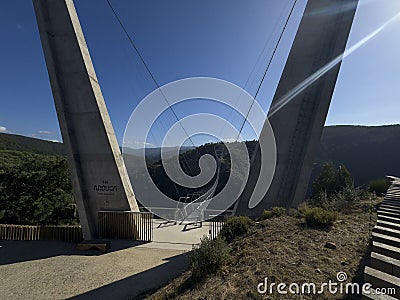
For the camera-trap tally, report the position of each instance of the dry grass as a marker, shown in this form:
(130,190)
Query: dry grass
(284,250)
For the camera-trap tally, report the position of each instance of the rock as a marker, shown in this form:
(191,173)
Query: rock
(318,271)
(330,245)
(344,263)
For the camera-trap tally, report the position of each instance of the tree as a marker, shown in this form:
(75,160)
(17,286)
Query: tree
(343,179)
(35,189)
(331,180)
(326,181)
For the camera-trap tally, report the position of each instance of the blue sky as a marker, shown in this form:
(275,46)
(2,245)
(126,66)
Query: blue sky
(180,39)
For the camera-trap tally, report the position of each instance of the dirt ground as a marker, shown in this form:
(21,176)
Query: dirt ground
(285,250)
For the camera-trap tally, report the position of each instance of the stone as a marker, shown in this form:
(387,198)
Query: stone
(330,245)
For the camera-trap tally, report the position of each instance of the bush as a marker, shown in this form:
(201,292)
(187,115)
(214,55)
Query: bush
(332,180)
(343,201)
(319,217)
(208,257)
(35,189)
(378,186)
(233,227)
(275,212)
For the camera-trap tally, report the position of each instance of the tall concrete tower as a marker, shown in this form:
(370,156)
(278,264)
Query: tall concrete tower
(301,102)
(99,177)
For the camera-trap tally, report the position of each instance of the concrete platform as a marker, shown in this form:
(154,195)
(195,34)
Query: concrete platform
(176,237)
(55,270)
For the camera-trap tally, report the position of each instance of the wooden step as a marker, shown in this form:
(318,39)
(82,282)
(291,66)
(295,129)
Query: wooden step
(391,202)
(388,213)
(93,245)
(379,279)
(393,210)
(387,231)
(387,250)
(388,224)
(386,239)
(385,264)
(388,218)
(389,206)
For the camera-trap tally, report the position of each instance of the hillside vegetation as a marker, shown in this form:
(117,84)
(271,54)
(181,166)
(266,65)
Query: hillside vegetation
(368,152)
(35,186)
(310,245)
(27,144)
(35,189)
(284,250)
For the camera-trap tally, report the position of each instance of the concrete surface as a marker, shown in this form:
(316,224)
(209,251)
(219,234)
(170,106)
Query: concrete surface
(176,237)
(56,270)
(298,123)
(99,177)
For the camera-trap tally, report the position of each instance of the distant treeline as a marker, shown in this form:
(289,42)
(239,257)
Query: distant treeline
(35,186)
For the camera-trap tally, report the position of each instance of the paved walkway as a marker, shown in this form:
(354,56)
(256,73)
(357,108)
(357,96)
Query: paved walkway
(56,270)
(176,237)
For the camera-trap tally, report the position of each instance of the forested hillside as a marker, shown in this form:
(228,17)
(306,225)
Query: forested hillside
(23,143)
(35,187)
(367,152)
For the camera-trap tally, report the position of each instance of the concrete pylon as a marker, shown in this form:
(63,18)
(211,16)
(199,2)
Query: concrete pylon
(99,177)
(301,102)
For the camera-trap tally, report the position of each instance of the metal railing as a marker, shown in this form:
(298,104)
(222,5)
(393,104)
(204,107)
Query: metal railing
(215,225)
(66,233)
(125,225)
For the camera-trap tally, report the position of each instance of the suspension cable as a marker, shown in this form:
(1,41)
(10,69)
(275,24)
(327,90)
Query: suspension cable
(130,39)
(268,66)
(259,58)
(147,68)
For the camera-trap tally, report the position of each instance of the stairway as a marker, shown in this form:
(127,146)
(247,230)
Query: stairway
(384,269)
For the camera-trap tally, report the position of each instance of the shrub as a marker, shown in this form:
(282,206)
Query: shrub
(332,180)
(319,217)
(208,257)
(378,186)
(233,227)
(274,212)
(343,201)
(295,213)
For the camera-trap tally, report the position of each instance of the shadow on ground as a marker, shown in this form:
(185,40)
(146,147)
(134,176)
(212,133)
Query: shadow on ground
(359,276)
(20,251)
(138,285)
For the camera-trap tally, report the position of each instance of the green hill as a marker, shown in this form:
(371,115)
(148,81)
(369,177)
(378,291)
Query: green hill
(368,152)
(23,143)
